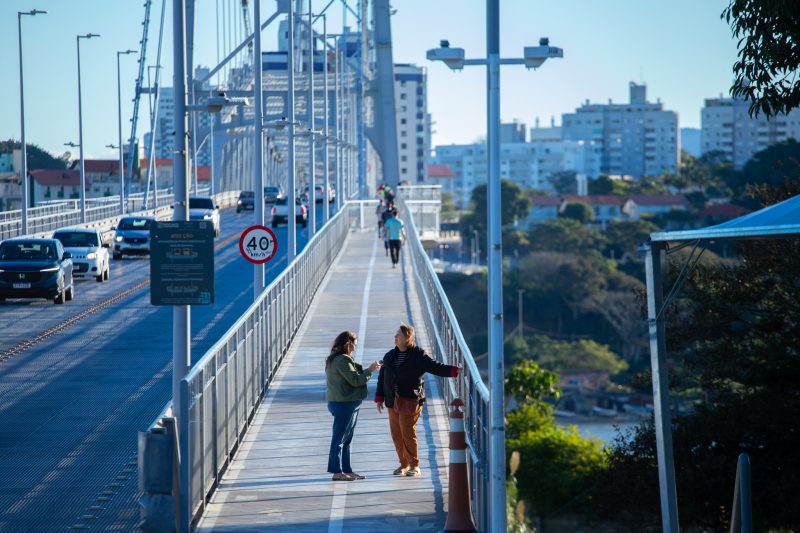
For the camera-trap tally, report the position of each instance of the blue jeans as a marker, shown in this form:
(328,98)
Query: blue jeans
(345,415)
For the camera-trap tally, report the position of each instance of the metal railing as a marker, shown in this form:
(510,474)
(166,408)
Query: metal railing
(221,392)
(62,213)
(450,347)
(420,192)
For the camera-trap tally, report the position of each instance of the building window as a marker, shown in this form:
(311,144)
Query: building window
(403,158)
(403,146)
(403,121)
(403,109)
(402,96)
(403,134)
(403,171)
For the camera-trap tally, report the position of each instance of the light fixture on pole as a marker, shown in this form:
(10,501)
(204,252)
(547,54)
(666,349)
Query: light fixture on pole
(23,171)
(258,112)
(454,58)
(80,127)
(119,133)
(326,200)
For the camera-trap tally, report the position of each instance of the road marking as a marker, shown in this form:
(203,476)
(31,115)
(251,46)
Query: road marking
(336,520)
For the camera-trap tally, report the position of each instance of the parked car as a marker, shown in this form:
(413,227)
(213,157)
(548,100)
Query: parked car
(204,208)
(35,268)
(89,252)
(273,194)
(246,201)
(132,236)
(280,212)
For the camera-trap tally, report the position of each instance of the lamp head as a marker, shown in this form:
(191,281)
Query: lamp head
(535,56)
(452,57)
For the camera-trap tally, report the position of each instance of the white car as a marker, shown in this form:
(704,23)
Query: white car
(89,252)
(204,208)
(280,212)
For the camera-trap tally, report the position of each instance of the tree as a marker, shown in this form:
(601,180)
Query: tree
(579,211)
(624,237)
(448,207)
(515,206)
(564,235)
(774,166)
(733,335)
(581,355)
(768,32)
(38,158)
(564,182)
(532,385)
(602,185)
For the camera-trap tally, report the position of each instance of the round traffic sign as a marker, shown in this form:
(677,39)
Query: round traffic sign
(258,244)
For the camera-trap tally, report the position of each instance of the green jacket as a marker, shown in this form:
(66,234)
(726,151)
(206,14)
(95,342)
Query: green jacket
(346,380)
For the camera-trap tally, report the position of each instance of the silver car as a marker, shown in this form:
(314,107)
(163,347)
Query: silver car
(132,236)
(89,252)
(204,208)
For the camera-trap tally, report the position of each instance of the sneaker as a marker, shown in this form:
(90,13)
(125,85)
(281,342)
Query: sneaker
(355,476)
(341,476)
(414,471)
(400,471)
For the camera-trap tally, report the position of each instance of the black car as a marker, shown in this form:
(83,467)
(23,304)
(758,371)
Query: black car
(246,201)
(35,268)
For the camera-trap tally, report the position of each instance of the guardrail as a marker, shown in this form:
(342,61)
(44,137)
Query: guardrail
(104,214)
(420,192)
(450,347)
(221,392)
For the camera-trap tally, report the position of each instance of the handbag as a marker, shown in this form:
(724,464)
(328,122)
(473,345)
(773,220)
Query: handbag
(407,406)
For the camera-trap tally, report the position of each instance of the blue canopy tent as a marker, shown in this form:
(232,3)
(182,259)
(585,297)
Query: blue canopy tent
(780,220)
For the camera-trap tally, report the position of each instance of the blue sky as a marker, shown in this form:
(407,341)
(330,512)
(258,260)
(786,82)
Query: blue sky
(681,49)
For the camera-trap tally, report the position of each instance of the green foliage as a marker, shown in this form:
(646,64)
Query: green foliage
(734,335)
(449,212)
(564,182)
(580,355)
(768,37)
(557,469)
(564,235)
(579,211)
(602,185)
(775,166)
(530,384)
(515,206)
(623,238)
(38,158)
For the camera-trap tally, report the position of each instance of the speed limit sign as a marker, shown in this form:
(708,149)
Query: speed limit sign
(258,244)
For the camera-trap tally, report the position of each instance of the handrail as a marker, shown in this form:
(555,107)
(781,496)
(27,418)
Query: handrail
(450,347)
(221,392)
(742,511)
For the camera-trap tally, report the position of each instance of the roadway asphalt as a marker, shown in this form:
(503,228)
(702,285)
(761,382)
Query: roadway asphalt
(97,372)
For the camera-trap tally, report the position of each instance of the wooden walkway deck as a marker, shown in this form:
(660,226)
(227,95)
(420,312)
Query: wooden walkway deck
(278,480)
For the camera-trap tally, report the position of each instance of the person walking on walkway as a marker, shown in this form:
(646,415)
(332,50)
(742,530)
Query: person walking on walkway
(346,387)
(402,390)
(396,234)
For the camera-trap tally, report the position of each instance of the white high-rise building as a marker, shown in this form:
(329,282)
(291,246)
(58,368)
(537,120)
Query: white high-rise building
(164,146)
(727,127)
(529,165)
(638,139)
(413,121)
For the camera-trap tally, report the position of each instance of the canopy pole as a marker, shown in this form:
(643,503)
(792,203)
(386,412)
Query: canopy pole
(658,363)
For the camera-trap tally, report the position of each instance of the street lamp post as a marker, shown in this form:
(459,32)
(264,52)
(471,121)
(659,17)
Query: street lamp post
(258,179)
(326,129)
(80,127)
(291,184)
(119,134)
(23,171)
(312,160)
(533,58)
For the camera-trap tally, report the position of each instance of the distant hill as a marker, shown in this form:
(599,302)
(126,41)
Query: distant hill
(37,157)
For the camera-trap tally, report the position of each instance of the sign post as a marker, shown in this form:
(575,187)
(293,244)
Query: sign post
(258,244)
(182,263)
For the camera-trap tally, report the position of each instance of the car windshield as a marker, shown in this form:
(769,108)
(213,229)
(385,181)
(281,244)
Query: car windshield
(27,251)
(201,203)
(247,194)
(134,224)
(272,190)
(77,239)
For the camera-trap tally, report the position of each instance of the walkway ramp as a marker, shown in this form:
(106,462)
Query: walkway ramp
(277,480)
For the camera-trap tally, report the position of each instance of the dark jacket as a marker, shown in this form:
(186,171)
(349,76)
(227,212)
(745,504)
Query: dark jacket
(409,376)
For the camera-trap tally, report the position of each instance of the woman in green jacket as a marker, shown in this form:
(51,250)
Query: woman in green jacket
(346,387)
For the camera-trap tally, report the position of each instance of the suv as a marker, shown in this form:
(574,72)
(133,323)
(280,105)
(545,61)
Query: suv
(35,268)
(273,194)
(132,236)
(204,208)
(246,201)
(281,211)
(89,252)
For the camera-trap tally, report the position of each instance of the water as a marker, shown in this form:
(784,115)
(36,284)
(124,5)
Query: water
(605,431)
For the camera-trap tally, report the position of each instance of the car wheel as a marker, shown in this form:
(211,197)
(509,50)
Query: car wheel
(274,224)
(59,298)
(69,293)
(117,256)
(107,273)
(216,232)
(101,276)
